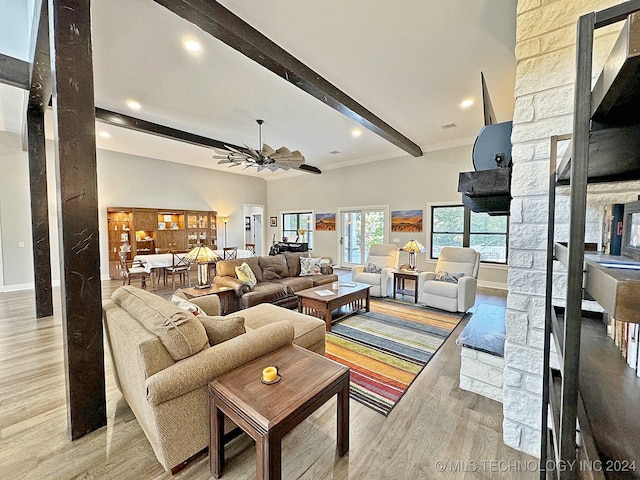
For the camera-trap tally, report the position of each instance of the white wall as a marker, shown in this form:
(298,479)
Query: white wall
(123,181)
(402,183)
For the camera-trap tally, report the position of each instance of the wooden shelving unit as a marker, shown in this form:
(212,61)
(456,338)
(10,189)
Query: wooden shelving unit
(148,230)
(583,427)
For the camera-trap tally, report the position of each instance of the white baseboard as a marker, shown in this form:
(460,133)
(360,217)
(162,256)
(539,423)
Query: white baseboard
(496,285)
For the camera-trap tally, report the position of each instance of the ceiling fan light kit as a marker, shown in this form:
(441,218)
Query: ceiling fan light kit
(266,158)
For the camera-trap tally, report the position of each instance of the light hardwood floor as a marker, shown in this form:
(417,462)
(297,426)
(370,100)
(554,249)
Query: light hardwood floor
(434,422)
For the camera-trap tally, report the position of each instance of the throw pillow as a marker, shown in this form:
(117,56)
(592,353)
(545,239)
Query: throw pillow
(372,268)
(442,276)
(221,329)
(245,274)
(186,305)
(310,266)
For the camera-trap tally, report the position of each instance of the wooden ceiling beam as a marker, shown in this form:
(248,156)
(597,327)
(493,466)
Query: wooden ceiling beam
(144,126)
(14,72)
(224,25)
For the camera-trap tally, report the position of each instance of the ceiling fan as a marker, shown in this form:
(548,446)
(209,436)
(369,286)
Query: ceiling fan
(266,158)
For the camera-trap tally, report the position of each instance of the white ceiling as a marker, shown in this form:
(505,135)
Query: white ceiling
(411,63)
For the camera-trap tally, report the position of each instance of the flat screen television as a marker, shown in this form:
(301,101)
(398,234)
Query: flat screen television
(631,231)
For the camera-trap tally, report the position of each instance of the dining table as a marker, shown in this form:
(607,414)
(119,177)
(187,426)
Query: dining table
(154,263)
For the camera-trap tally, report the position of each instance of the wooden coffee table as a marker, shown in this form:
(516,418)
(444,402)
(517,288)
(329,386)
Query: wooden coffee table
(268,412)
(321,306)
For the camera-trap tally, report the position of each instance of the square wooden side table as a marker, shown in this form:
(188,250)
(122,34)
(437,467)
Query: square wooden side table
(268,412)
(399,277)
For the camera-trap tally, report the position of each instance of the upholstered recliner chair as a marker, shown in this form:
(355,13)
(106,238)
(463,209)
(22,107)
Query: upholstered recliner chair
(453,285)
(377,271)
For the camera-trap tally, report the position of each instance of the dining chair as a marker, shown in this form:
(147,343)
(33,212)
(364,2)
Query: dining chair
(179,266)
(230,253)
(251,247)
(132,270)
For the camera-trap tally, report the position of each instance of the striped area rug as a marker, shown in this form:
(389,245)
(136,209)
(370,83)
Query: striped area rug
(387,348)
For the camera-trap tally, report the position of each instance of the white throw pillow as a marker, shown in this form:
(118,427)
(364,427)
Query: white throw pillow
(186,305)
(310,266)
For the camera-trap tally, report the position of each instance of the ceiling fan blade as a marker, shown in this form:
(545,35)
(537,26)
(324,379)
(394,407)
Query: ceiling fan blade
(267,151)
(308,168)
(282,152)
(224,160)
(221,151)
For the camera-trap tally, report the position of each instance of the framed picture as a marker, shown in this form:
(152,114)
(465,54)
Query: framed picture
(167,218)
(325,221)
(124,237)
(247,223)
(273,221)
(406,221)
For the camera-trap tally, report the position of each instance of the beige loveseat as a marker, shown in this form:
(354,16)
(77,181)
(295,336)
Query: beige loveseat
(163,360)
(278,278)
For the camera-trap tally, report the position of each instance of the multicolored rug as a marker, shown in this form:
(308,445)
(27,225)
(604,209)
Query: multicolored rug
(387,348)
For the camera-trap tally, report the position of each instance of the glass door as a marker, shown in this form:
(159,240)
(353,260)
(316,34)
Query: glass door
(359,230)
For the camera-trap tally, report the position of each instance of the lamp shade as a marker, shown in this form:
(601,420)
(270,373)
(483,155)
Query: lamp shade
(201,253)
(413,246)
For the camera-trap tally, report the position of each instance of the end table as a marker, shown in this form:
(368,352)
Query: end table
(399,276)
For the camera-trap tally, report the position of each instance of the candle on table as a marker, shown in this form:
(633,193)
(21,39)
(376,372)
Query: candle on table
(269,374)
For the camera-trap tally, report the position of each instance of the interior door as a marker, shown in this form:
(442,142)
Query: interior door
(359,230)
(257,232)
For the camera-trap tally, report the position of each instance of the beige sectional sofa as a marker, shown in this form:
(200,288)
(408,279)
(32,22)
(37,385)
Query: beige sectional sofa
(164,358)
(278,279)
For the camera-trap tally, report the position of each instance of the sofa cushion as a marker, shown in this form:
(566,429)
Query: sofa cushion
(220,329)
(295,284)
(227,268)
(264,292)
(310,266)
(273,267)
(245,274)
(308,331)
(293,262)
(441,289)
(323,279)
(178,330)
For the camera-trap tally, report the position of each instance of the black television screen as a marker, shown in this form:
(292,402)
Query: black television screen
(631,231)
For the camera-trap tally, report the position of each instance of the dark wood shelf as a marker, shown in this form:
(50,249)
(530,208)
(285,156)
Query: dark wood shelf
(614,143)
(616,95)
(616,290)
(610,391)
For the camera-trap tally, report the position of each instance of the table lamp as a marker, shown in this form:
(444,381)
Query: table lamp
(202,256)
(413,247)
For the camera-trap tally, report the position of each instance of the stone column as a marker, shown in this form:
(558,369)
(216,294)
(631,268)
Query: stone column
(545,75)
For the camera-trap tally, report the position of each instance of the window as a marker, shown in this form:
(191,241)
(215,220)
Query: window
(457,226)
(293,224)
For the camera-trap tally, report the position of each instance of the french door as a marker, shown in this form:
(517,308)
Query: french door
(359,229)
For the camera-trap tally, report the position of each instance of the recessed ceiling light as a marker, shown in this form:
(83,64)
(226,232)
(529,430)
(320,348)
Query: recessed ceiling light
(105,134)
(192,46)
(356,132)
(466,103)
(133,105)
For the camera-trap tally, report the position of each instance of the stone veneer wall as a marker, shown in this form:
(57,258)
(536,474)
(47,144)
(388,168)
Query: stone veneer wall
(545,75)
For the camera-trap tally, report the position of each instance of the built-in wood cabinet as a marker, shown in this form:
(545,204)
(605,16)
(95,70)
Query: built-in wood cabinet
(141,231)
